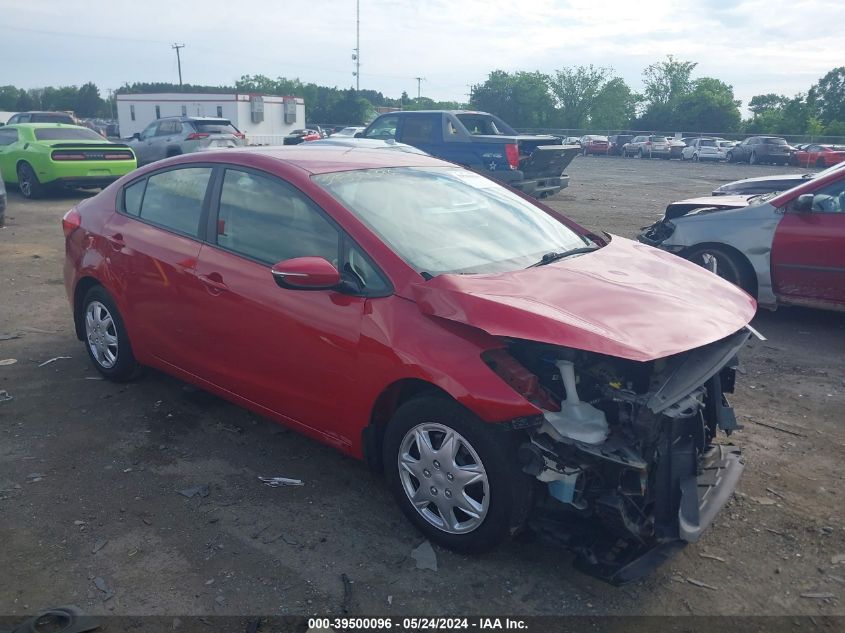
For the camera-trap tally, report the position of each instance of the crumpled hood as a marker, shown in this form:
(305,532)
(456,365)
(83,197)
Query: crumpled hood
(626,299)
(683,207)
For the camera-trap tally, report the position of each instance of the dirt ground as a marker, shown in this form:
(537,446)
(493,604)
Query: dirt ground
(91,472)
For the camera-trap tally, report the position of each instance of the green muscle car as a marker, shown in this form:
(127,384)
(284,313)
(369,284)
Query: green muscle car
(36,156)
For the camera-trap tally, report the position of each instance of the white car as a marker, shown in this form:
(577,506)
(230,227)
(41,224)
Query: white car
(703,149)
(352,130)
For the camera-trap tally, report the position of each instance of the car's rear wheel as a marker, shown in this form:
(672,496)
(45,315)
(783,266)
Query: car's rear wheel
(456,479)
(729,157)
(752,160)
(106,339)
(728,265)
(28,182)
(695,158)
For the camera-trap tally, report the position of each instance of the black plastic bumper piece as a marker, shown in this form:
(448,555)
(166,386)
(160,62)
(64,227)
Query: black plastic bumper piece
(703,496)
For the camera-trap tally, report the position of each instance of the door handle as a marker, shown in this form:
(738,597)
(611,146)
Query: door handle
(213,281)
(116,241)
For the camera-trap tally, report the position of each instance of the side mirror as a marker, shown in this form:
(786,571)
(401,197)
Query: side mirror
(803,203)
(306,273)
(359,135)
(137,136)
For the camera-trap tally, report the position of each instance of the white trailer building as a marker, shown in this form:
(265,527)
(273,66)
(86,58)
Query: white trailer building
(264,119)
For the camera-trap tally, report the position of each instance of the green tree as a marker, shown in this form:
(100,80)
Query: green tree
(828,96)
(575,89)
(767,103)
(709,107)
(88,101)
(9,98)
(25,102)
(614,107)
(522,99)
(667,81)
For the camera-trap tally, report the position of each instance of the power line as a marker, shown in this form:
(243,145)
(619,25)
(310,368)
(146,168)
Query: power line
(179,60)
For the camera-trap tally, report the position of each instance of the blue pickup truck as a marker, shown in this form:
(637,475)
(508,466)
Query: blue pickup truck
(481,142)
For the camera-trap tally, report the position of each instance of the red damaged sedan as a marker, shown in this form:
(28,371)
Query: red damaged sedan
(505,368)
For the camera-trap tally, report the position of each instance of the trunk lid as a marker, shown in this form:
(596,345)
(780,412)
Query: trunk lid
(626,300)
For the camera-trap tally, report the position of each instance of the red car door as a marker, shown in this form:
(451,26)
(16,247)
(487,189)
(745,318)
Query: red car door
(153,247)
(292,352)
(808,253)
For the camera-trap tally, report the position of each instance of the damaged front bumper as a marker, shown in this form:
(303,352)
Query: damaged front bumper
(639,474)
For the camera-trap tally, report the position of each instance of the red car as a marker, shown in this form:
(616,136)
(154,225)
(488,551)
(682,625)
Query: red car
(504,366)
(818,155)
(593,144)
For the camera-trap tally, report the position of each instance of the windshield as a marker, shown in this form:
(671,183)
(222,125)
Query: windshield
(706,142)
(449,220)
(66,134)
(774,141)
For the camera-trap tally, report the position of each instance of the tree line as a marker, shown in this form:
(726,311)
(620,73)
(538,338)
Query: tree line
(573,98)
(594,98)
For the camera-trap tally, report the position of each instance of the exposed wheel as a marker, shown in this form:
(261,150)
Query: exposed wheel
(456,479)
(105,336)
(728,265)
(753,160)
(820,162)
(729,157)
(28,182)
(695,158)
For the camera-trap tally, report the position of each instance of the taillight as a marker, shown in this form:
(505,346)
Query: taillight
(61,156)
(71,221)
(240,135)
(512,154)
(196,136)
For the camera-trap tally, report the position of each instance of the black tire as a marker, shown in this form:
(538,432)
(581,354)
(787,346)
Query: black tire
(509,488)
(730,266)
(28,182)
(695,158)
(753,160)
(729,157)
(820,163)
(124,367)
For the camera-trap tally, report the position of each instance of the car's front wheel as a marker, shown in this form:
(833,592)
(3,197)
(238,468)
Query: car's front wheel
(28,182)
(106,339)
(729,265)
(456,479)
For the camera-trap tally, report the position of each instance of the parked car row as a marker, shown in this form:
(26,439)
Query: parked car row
(753,150)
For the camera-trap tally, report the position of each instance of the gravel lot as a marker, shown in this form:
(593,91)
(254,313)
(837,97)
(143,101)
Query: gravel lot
(91,472)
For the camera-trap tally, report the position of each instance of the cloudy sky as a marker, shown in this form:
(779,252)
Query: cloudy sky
(757,46)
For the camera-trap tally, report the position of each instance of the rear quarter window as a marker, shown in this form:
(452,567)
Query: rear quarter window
(132,197)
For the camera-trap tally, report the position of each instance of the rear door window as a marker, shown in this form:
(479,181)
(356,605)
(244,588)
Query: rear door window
(132,197)
(266,219)
(174,199)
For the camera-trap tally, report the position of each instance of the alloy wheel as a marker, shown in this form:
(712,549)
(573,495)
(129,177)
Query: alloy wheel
(24,183)
(443,477)
(101,332)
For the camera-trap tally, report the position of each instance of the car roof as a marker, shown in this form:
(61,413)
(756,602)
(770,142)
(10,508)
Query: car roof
(329,158)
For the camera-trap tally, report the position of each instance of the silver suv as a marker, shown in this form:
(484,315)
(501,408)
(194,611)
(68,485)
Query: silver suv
(176,135)
(648,147)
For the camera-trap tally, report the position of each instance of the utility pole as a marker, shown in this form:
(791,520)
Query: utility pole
(179,60)
(356,56)
(419,79)
(112,103)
